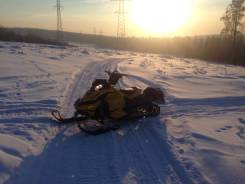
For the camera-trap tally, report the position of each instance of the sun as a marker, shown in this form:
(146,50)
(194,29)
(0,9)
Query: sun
(160,16)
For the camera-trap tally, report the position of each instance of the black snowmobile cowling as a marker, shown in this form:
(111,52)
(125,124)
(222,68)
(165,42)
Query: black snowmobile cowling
(103,101)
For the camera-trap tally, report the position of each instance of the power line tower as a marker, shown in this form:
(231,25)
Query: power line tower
(59,21)
(101,32)
(121,28)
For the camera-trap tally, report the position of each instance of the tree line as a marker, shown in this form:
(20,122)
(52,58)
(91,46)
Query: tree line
(228,47)
(212,48)
(10,35)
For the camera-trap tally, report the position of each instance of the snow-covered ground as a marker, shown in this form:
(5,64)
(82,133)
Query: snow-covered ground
(198,138)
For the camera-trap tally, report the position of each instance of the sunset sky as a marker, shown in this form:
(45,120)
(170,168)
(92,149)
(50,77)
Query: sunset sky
(193,17)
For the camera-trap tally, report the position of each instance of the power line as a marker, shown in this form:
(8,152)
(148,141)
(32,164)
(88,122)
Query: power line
(59,21)
(121,27)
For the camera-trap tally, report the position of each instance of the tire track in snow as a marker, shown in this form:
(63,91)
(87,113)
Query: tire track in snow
(147,155)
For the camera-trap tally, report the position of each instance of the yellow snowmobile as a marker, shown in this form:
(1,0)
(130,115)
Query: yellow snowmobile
(104,103)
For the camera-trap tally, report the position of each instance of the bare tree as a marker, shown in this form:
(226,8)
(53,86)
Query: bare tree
(233,20)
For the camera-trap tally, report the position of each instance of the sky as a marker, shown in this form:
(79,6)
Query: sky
(93,16)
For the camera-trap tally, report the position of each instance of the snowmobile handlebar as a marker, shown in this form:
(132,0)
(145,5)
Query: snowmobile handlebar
(114,77)
(115,73)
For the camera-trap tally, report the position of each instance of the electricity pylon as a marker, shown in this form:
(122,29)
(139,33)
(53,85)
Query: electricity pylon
(59,22)
(121,28)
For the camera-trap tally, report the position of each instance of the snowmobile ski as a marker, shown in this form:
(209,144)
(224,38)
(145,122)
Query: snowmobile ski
(85,124)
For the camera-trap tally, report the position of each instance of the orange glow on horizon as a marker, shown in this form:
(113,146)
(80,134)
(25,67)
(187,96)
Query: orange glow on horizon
(160,17)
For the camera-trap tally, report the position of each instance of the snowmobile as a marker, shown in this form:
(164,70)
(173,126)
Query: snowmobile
(104,107)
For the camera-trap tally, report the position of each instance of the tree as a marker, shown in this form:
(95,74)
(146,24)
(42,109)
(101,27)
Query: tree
(233,20)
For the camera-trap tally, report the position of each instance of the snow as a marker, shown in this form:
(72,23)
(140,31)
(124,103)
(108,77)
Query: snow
(199,136)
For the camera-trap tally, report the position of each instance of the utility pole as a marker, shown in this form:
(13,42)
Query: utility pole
(121,28)
(95,31)
(59,22)
(101,32)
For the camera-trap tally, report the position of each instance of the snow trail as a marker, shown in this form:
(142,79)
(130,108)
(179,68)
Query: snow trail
(136,156)
(198,137)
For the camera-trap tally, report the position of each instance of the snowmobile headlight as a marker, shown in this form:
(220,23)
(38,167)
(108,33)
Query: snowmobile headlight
(97,88)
